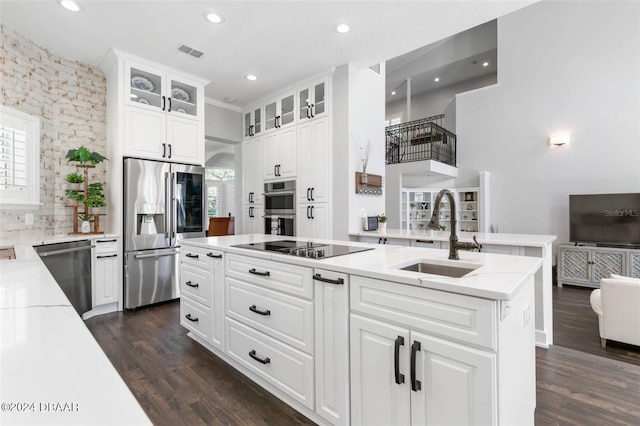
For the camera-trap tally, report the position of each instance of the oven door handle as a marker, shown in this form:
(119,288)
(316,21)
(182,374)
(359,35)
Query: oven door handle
(266,194)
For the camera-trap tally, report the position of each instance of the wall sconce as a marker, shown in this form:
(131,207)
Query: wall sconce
(559,139)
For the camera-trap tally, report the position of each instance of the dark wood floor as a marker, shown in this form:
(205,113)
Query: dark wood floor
(179,382)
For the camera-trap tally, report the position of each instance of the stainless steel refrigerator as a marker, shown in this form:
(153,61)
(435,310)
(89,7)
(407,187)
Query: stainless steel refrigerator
(163,204)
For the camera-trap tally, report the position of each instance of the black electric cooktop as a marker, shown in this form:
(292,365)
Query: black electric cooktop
(303,249)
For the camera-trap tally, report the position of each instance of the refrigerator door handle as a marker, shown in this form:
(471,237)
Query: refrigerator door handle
(167,208)
(174,209)
(144,256)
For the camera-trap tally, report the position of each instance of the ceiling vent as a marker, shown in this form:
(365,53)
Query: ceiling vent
(190,51)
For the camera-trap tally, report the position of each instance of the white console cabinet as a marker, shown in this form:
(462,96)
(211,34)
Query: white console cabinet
(586,265)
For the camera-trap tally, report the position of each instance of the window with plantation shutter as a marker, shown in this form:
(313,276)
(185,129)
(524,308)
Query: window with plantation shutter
(19,158)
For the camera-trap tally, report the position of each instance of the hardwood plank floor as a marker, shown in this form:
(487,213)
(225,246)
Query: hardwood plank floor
(179,382)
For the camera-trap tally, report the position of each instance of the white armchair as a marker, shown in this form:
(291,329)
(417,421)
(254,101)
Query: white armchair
(617,303)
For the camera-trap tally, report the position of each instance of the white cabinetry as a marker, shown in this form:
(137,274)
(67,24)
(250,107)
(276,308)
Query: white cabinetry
(280,154)
(202,293)
(585,266)
(106,282)
(313,221)
(280,112)
(418,358)
(312,100)
(163,114)
(314,156)
(252,122)
(252,183)
(252,219)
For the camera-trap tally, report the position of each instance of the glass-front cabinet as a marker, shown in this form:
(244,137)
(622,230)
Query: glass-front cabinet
(280,112)
(312,100)
(252,122)
(158,91)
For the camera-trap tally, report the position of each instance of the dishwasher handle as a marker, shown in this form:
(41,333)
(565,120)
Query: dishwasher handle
(51,253)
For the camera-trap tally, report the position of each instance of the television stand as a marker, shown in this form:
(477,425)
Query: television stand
(585,265)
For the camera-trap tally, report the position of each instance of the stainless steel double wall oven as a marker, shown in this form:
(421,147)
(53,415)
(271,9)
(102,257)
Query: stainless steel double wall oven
(280,208)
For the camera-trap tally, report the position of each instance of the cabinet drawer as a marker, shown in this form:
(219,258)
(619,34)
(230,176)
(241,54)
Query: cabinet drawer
(197,256)
(106,245)
(282,366)
(195,317)
(453,316)
(195,283)
(291,279)
(284,317)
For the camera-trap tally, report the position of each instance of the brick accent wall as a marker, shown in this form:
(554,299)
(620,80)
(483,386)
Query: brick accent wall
(70,99)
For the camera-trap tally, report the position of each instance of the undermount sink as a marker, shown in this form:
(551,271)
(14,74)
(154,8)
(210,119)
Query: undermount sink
(447,270)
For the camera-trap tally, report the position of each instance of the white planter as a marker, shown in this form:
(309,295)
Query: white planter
(85,226)
(382,227)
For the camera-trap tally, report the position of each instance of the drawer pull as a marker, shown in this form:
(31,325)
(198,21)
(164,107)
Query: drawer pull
(104,257)
(416,385)
(188,316)
(319,277)
(253,308)
(192,256)
(215,256)
(253,355)
(425,241)
(196,285)
(396,361)
(262,274)
(106,241)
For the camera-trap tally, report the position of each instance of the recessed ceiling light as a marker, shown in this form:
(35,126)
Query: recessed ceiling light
(70,5)
(214,17)
(436,79)
(393,93)
(342,28)
(251,77)
(486,64)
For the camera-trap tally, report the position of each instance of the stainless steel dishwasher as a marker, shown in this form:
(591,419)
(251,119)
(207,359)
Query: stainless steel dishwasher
(70,265)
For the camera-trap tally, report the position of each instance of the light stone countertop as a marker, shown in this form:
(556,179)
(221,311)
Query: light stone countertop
(52,370)
(524,240)
(497,277)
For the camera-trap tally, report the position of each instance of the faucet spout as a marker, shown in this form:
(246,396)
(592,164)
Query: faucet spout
(454,245)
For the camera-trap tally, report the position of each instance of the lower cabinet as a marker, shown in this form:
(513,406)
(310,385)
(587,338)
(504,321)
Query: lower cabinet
(313,221)
(585,266)
(106,285)
(401,376)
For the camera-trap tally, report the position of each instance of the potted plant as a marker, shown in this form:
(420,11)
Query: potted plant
(75,180)
(94,201)
(83,156)
(75,196)
(85,224)
(382,223)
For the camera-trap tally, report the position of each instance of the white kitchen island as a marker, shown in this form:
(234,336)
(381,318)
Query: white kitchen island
(354,339)
(512,244)
(52,371)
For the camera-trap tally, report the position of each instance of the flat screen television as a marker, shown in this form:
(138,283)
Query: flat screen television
(605,219)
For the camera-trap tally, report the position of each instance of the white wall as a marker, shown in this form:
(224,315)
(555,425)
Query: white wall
(435,102)
(222,124)
(562,66)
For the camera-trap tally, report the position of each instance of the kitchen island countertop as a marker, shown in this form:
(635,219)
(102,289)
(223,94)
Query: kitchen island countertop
(497,277)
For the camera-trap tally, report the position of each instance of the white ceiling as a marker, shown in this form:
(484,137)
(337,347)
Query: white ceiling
(279,41)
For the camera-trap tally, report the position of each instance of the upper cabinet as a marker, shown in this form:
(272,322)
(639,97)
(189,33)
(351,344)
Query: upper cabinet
(153,112)
(312,100)
(280,112)
(253,122)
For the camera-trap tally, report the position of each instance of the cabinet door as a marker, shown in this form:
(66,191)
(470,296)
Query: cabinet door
(456,383)
(312,101)
(145,135)
(574,265)
(320,159)
(287,110)
(331,309)
(106,288)
(634,265)
(313,221)
(144,87)
(376,398)
(216,266)
(288,153)
(305,159)
(271,155)
(270,114)
(606,263)
(248,178)
(183,98)
(304,225)
(184,143)
(252,220)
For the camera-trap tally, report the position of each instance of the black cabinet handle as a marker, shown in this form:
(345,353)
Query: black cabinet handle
(416,385)
(107,241)
(396,360)
(262,274)
(312,210)
(164,150)
(104,257)
(313,196)
(169,150)
(251,130)
(425,241)
(190,284)
(253,355)
(164,104)
(308,110)
(251,212)
(192,256)
(308,196)
(319,277)
(169,109)
(215,256)
(251,197)
(308,215)
(253,308)
(188,316)
(312,113)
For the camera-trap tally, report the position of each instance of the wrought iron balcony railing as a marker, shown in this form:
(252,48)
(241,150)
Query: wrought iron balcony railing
(418,140)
